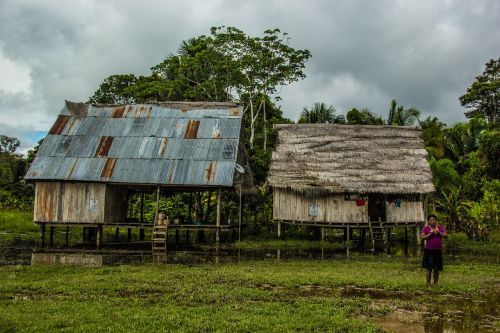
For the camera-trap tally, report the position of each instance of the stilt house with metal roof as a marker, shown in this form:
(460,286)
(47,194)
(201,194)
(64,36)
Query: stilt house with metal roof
(95,155)
(349,175)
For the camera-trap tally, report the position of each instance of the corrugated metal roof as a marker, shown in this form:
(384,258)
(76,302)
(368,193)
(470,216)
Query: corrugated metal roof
(189,144)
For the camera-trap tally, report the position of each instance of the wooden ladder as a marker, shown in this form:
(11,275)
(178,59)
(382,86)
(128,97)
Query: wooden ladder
(377,233)
(159,240)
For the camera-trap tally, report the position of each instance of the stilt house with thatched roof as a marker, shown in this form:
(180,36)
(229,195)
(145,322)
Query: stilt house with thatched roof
(349,175)
(95,157)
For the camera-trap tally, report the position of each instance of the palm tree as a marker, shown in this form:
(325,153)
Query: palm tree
(321,113)
(363,117)
(400,116)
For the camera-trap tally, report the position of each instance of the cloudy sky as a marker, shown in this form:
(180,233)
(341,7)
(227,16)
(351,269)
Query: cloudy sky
(365,53)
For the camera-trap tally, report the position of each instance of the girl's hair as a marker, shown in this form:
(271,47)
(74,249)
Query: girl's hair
(431,215)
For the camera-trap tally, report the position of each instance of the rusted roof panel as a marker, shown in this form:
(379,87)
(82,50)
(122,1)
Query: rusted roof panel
(180,144)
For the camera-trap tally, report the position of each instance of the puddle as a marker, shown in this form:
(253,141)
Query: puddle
(457,315)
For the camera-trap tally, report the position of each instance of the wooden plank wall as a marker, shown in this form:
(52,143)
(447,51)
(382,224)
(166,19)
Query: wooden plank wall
(69,202)
(409,211)
(292,206)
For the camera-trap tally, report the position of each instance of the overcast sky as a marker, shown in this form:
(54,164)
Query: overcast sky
(422,53)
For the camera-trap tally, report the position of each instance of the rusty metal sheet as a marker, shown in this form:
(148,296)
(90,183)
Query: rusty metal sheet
(192,129)
(142,144)
(104,146)
(72,126)
(59,125)
(108,168)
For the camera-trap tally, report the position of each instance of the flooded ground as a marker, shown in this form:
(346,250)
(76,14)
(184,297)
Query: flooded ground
(457,315)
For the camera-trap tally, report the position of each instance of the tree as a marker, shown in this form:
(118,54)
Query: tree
(363,117)
(483,96)
(8,144)
(400,116)
(433,135)
(227,65)
(321,113)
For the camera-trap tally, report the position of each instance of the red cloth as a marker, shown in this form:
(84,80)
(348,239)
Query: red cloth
(360,202)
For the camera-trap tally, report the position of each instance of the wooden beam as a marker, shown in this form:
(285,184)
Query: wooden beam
(217,233)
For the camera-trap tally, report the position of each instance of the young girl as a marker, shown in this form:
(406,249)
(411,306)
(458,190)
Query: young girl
(433,235)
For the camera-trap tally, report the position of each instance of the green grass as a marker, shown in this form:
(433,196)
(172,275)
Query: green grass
(15,221)
(262,296)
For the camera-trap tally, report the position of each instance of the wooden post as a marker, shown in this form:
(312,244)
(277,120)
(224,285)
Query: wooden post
(117,233)
(42,226)
(190,209)
(129,234)
(157,204)
(388,240)
(347,233)
(322,233)
(217,233)
(67,237)
(417,240)
(240,215)
(98,238)
(406,241)
(279,229)
(51,241)
(141,218)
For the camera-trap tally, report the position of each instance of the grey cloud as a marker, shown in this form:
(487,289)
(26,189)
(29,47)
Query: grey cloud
(365,53)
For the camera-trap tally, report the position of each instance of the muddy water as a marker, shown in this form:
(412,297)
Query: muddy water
(457,315)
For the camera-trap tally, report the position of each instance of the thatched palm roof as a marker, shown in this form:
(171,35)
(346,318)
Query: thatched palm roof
(350,158)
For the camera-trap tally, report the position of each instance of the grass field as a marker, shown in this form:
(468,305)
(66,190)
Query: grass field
(261,296)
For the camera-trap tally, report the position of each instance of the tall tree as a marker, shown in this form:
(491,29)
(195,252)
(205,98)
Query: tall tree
(321,113)
(400,116)
(483,96)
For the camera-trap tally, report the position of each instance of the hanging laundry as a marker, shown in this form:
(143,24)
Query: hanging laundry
(360,202)
(397,203)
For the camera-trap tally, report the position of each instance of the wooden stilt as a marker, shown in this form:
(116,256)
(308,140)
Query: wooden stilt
(348,233)
(141,234)
(42,226)
(129,234)
(51,240)
(322,233)
(187,236)
(141,217)
(98,238)
(240,215)
(217,232)
(190,209)
(67,237)
(406,241)
(279,229)
(117,233)
(388,240)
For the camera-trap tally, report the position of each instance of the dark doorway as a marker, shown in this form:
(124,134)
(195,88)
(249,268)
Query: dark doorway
(376,207)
